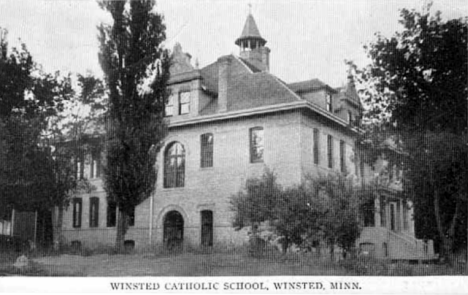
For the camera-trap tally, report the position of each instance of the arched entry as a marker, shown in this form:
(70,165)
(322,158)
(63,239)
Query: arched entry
(173,230)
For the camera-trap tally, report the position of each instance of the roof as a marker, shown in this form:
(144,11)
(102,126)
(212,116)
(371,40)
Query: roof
(250,66)
(251,89)
(352,94)
(308,85)
(250,31)
(248,87)
(210,72)
(258,89)
(349,93)
(210,77)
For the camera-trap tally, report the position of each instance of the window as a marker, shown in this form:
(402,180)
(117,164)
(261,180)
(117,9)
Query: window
(131,216)
(111,214)
(174,165)
(184,102)
(79,165)
(316,146)
(77,208)
(256,145)
(329,103)
(390,171)
(342,156)
(383,213)
(207,228)
(368,213)
(330,151)
(94,212)
(361,167)
(350,117)
(392,217)
(398,172)
(385,249)
(169,111)
(405,217)
(95,165)
(356,162)
(206,149)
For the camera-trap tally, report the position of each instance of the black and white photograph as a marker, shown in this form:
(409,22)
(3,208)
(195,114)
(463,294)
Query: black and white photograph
(251,146)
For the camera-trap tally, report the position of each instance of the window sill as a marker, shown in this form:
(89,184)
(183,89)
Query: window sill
(206,168)
(173,188)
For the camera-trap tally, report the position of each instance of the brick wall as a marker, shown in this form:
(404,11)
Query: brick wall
(205,188)
(308,123)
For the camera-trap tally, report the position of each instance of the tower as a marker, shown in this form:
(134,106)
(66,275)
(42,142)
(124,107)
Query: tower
(252,45)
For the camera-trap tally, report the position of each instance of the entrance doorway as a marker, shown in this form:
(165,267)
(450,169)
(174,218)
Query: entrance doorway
(173,235)
(207,228)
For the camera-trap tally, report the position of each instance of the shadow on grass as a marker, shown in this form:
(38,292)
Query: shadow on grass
(240,261)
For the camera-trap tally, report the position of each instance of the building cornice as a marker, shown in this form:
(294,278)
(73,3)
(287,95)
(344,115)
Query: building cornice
(303,104)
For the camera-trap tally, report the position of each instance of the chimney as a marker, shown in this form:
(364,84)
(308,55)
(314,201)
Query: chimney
(224,75)
(265,54)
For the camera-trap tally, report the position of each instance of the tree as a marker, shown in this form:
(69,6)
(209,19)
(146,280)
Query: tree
(29,98)
(136,69)
(416,92)
(341,201)
(72,134)
(326,208)
(258,202)
(437,181)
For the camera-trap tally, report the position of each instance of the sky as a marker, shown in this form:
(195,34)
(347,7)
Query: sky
(308,39)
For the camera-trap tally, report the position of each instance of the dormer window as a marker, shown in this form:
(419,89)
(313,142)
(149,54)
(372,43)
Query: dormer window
(329,102)
(169,111)
(184,102)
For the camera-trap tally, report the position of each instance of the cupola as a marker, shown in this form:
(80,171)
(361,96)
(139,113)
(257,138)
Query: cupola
(252,45)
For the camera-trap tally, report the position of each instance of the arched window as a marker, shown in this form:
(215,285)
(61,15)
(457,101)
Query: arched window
(174,165)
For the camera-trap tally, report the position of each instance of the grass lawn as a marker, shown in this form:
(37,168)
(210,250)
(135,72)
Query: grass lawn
(213,264)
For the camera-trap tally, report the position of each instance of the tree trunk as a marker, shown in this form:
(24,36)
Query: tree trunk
(332,251)
(446,237)
(285,245)
(122,226)
(57,226)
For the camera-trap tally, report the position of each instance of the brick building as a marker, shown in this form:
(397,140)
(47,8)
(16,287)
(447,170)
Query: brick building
(228,121)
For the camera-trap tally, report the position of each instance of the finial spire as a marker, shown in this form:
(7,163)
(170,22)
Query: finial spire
(350,74)
(250,8)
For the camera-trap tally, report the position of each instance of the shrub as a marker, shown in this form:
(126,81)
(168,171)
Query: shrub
(365,266)
(401,269)
(259,248)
